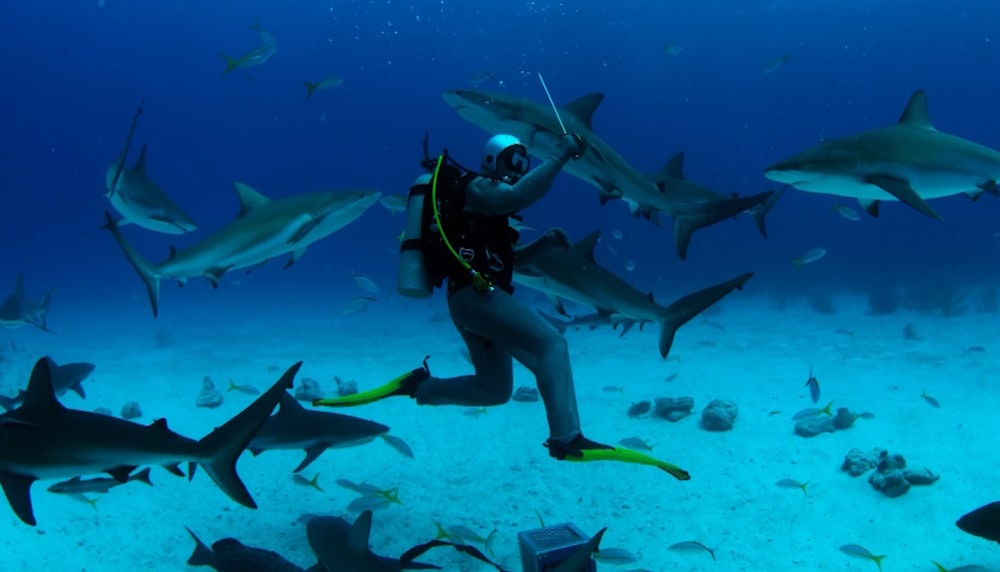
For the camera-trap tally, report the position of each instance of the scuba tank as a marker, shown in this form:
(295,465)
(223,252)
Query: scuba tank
(412,279)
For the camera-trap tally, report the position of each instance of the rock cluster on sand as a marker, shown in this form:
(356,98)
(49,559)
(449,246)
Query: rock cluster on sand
(719,415)
(526,394)
(822,423)
(673,409)
(891,476)
(209,396)
(308,390)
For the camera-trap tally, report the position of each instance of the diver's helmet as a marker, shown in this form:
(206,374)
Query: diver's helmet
(505,158)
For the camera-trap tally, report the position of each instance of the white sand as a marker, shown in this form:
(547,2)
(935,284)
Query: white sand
(491,470)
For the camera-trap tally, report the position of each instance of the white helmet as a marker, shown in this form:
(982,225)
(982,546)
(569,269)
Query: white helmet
(505,158)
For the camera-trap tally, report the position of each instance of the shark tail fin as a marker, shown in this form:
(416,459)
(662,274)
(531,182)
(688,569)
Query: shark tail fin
(694,216)
(220,449)
(43,315)
(762,211)
(202,555)
(310,88)
(681,311)
(144,269)
(231,63)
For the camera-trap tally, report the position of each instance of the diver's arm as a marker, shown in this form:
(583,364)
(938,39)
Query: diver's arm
(488,197)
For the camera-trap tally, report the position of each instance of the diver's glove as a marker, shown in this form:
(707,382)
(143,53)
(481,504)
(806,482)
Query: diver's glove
(573,144)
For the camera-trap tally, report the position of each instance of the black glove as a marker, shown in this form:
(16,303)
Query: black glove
(574,144)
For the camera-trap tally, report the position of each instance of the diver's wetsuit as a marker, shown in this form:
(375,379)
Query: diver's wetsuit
(496,327)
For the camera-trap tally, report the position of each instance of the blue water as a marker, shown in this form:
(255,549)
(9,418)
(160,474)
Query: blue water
(74,73)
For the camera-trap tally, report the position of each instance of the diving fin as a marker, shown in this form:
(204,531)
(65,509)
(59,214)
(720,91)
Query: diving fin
(405,384)
(582,449)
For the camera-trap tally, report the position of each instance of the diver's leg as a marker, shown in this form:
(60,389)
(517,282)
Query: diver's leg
(492,384)
(517,329)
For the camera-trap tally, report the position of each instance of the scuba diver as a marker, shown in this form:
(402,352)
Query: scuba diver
(459,232)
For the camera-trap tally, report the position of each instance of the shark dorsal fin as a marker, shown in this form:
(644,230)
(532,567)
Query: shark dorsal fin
(585,247)
(289,405)
(915,114)
(361,531)
(583,108)
(675,166)
(249,198)
(160,423)
(40,398)
(140,163)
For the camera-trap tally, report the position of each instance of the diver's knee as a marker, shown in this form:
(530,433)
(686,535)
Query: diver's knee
(498,396)
(556,344)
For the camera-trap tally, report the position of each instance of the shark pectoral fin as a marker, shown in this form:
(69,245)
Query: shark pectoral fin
(870,206)
(682,310)
(122,473)
(213,275)
(256,450)
(759,212)
(78,389)
(304,230)
(18,491)
(903,192)
(989,187)
(558,305)
(974,195)
(202,555)
(312,453)
(296,254)
(174,469)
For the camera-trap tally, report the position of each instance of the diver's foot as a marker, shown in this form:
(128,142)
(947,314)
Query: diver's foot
(559,449)
(405,384)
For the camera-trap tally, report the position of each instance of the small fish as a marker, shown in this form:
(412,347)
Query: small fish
(365,283)
(847,212)
(617,234)
(774,412)
(629,265)
(482,77)
(474,411)
(973,350)
(636,443)
(360,488)
(813,384)
(775,64)
(395,204)
(245,388)
(813,411)
(357,304)
(368,502)
(713,324)
(844,332)
(398,444)
(966,568)
(314,482)
(691,545)
(930,400)
(792,484)
(80,497)
(615,556)
(866,415)
(862,552)
(811,256)
(76,485)
(541,521)
(708,343)
(672,377)
(613,389)
(322,85)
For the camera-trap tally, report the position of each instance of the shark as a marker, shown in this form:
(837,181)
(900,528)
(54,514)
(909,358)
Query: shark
(671,180)
(231,555)
(264,229)
(340,546)
(561,269)
(910,161)
(66,377)
(539,129)
(42,439)
(17,310)
(256,56)
(295,427)
(141,202)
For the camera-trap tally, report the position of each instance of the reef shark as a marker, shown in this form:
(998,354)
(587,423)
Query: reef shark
(140,201)
(601,165)
(910,161)
(17,310)
(66,377)
(671,180)
(340,546)
(256,56)
(264,229)
(42,439)
(560,269)
(295,427)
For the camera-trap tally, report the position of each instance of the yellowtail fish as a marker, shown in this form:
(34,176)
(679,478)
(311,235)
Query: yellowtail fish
(811,256)
(813,384)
